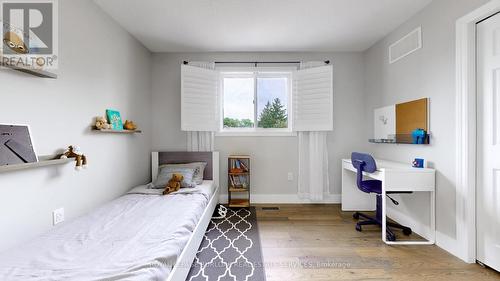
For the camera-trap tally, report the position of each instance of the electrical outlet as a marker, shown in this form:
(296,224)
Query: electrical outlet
(290,176)
(58,216)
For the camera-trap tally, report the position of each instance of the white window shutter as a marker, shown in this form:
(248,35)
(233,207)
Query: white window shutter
(313,99)
(199,99)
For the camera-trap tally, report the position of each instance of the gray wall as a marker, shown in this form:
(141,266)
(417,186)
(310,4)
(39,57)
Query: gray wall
(429,72)
(101,66)
(272,157)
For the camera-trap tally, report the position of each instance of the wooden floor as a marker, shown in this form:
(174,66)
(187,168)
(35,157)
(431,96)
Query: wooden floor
(319,242)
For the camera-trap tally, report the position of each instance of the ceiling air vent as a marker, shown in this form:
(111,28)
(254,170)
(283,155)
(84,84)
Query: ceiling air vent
(406,45)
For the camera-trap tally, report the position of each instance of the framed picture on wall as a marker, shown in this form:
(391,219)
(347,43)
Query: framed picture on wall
(16,146)
(114,119)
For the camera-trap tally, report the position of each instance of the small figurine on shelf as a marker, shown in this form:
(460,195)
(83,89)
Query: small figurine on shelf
(418,136)
(418,163)
(129,125)
(74,152)
(101,123)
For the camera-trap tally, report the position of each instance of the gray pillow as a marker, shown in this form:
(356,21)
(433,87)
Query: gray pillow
(165,174)
(198,166)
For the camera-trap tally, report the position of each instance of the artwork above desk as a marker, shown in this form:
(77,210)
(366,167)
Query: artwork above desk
(398,123)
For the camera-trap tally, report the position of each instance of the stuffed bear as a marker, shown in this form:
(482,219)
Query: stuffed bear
(174,184)
(101,123)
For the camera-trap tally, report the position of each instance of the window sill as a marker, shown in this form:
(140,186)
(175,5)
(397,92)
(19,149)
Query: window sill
(256,134)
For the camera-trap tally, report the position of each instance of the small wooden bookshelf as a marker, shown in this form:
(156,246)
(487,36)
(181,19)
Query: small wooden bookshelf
(238,181)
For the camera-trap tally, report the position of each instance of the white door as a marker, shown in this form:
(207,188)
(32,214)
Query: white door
(488,142)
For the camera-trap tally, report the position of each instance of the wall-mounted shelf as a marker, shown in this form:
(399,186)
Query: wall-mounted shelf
(31,71)
(43,161)
(402,139)
(117,131)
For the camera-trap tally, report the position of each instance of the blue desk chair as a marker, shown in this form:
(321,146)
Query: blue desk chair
(365,163)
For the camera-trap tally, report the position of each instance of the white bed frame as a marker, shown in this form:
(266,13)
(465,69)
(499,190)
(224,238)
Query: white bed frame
(183,265)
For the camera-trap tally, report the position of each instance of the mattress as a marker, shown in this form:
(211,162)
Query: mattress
(138,236)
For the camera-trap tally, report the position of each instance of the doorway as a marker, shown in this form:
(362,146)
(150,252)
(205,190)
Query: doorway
(488,142)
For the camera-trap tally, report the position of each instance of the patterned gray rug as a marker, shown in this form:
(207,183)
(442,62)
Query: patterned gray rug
(230,249)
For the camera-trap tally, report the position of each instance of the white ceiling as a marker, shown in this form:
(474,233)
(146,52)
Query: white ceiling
(260,25)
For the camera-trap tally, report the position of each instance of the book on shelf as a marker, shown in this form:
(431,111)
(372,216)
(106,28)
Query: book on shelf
(243,166)
(237,182)
(238,165)
(243,181)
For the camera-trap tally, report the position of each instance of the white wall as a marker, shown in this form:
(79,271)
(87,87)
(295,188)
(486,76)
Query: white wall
(272,157)
(430,72)
(101,66)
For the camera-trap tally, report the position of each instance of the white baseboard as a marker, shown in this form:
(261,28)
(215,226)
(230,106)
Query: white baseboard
(285,199)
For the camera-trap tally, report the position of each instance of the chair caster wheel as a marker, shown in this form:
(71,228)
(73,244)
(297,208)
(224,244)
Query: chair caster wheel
(355,216)
(391,237)
(358,227)
(407,231)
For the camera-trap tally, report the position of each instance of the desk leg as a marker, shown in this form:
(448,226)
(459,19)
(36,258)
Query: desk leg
(384,213)
(430,240)
(433,217)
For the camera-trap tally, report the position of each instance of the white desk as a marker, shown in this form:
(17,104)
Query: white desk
(395,176)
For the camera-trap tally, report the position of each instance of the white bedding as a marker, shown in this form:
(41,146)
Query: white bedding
(135,237)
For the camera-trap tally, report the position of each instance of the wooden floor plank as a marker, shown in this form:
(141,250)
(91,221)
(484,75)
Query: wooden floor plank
(319,242)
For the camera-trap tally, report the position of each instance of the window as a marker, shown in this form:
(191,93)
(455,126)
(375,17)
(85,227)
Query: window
(256,101)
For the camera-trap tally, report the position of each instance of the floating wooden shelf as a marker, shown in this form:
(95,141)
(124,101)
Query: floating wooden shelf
(402,139)
(239,203)
(31,71)
(117,131)
(43,161)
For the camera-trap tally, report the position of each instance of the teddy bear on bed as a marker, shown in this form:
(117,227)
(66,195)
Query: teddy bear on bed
(174,184)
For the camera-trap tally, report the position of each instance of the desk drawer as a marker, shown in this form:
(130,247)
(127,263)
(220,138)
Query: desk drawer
(409,181)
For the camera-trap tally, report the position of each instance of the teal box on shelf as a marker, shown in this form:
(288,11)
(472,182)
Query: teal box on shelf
(114,119)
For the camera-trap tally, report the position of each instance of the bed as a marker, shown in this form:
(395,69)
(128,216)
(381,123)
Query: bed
(138,236)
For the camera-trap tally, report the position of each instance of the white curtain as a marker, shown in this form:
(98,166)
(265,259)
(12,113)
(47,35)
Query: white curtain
(313,181)
(201,141)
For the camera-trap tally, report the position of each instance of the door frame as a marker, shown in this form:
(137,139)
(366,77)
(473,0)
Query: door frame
(466,134)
